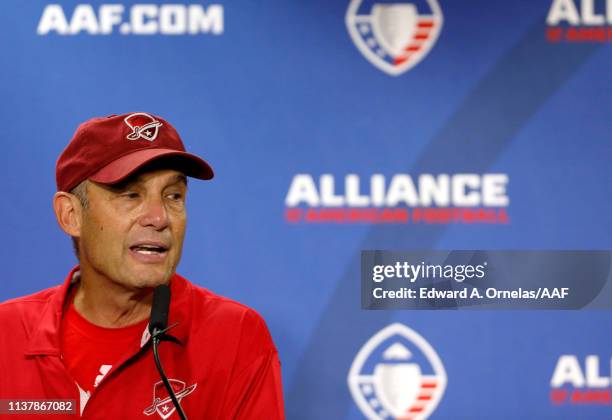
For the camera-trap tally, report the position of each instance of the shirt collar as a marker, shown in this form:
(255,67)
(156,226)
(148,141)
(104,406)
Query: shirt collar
(45,338)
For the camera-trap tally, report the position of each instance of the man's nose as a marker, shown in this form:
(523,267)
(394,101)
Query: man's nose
(154,214)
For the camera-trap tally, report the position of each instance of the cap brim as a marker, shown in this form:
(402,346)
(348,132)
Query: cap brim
(119,169)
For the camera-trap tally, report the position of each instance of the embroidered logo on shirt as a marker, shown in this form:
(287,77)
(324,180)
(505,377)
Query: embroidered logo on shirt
(162,404)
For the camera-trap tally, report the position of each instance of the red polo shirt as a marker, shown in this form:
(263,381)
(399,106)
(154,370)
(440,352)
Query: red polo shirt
(224,366)
(90,351)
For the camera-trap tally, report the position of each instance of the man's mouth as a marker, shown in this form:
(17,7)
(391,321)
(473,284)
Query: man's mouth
(149,249)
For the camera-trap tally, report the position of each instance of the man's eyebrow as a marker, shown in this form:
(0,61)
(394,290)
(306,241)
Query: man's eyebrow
(129,182)
(180,178)
(119,186)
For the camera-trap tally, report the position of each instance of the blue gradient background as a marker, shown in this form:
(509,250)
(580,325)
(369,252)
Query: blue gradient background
(284,91)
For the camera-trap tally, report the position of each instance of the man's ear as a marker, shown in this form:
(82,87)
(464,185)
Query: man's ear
(69,212)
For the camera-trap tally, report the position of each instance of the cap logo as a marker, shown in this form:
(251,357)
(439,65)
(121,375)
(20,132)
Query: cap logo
(143,126)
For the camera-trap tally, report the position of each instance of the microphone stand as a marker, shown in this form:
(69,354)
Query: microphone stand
(157,337)
(158,325)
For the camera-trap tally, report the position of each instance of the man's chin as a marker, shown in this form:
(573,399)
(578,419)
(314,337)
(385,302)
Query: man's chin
(150,278)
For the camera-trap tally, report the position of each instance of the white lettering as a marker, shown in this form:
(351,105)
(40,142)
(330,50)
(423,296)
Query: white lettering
(143,19)
(110,16)
(461,196)
(402,189)
(84,19)
(377,190)
(353,196)
(52,19)
(494,190)
(302,190)
(589,17)
(567,371)
(327,188)
(461,190)
(206,21)
(593,379)
(563,11)
(434,190)
(173,19)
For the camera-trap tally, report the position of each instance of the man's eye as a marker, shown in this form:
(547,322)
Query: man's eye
(131,195)
(175,196)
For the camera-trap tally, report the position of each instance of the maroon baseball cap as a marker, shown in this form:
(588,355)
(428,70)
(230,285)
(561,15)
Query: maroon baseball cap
(108,149)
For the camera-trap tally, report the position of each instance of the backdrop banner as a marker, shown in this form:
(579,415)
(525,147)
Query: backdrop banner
(337,127)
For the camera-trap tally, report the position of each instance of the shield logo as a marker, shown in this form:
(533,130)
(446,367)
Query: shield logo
(162,403)
(399,385)
(394,37)
(143,126)
(397,374)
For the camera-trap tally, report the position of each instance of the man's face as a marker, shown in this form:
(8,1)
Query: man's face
(132,233)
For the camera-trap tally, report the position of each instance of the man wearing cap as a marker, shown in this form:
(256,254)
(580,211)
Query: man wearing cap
(121,186)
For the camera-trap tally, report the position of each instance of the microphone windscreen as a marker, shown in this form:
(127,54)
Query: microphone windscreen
(160,308)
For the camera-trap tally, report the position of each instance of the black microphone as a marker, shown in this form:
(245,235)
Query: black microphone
(160,309)
(158,325)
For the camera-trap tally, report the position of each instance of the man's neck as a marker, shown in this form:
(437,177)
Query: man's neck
(110,305)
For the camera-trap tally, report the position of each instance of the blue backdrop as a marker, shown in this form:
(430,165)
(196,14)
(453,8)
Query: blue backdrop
(282,89)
